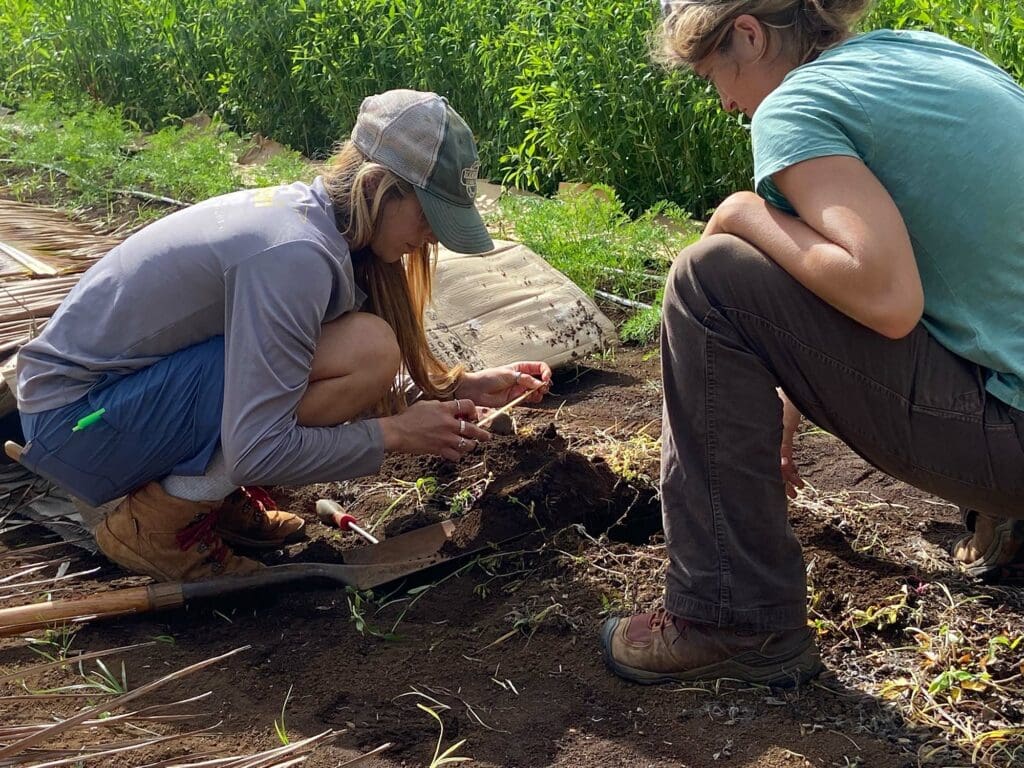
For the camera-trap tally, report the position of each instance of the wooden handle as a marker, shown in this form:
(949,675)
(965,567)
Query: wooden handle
(121,602)
(13,451)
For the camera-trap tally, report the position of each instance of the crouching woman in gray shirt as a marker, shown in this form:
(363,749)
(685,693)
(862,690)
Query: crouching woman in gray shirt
(243,340)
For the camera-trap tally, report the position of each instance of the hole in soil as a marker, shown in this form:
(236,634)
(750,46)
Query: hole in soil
(538,481)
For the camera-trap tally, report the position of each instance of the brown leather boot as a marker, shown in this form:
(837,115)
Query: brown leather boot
(658,647)
(248,519)
(168,538)
(993,548)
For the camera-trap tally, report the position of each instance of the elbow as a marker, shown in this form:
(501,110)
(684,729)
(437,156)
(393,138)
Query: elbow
(242,472)
(241,475)
(897,318)
(896,329)
(247,468)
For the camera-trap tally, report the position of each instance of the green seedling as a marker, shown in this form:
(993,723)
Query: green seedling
(447,757)
(105,681)
(423,487)
(881,616)
(358,604)
(528,624)
(55,644)
(279,726)
(100,680)
(461,503)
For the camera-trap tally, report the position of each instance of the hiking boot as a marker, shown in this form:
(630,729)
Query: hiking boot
(248,519)
(993,548)
(168,538)
(658,648)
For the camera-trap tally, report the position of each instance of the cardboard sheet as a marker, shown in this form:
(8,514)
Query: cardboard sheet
(508,305)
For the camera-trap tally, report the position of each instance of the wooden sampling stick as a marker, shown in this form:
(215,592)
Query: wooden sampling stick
(495,414)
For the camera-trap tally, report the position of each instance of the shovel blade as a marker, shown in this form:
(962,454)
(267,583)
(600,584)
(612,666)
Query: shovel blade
(399,556)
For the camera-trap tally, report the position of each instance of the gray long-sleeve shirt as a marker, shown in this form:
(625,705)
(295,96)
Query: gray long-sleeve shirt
(264,268)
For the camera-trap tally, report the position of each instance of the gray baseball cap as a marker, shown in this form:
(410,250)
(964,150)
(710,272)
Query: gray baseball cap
(419,137)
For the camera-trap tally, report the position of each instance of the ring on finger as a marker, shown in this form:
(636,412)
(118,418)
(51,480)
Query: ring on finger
(519,375)
(462,426)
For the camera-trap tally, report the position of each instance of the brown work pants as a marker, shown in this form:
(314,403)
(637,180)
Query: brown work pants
(735,326)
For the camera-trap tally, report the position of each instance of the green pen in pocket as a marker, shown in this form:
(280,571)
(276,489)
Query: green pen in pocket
(88,420)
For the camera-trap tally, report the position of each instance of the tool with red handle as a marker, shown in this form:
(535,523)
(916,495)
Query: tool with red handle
(332,513)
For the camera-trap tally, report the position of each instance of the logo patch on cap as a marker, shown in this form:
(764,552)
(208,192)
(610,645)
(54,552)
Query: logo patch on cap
(469,178)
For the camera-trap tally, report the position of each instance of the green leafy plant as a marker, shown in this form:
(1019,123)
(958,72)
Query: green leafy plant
(89,154)
(533,79)
(105,681)
(461,502)
(589,237)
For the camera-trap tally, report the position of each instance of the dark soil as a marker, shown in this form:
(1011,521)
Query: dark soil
(510,643)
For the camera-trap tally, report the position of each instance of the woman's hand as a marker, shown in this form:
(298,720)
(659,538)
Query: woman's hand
(443,429)
(494,387)
(790,421)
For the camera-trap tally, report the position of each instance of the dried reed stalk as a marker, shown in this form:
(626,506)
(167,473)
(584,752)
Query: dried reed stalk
(88,714)
(36,668)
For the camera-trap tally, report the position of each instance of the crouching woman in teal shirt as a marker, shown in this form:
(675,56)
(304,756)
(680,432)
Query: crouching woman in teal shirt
(875,277)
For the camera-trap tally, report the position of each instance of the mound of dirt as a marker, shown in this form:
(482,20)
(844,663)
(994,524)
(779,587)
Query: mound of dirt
(537,481)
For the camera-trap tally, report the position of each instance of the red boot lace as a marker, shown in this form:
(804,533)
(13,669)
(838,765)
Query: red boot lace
(201,532)
(259,497)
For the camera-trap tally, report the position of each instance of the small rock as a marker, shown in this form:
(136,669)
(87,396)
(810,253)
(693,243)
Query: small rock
(503,424)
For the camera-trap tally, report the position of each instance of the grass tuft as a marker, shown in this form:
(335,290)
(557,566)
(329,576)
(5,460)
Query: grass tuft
(588,236)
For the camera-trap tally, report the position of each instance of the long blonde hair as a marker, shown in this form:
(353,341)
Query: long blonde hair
(692,29)
(399,292)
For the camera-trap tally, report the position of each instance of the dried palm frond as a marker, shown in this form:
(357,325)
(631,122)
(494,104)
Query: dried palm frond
(26,305)
(52,236)
(92,717)
(100,728)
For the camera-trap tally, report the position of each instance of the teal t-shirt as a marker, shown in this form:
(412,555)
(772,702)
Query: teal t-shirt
(942,128)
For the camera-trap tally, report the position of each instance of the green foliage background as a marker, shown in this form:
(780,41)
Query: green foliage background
(555,89)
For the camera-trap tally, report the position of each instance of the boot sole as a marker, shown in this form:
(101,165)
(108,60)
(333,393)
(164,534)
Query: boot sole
(780,673)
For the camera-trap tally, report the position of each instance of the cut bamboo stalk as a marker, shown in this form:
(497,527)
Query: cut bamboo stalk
(621,301)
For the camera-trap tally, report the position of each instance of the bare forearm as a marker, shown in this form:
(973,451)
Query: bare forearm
(871,297)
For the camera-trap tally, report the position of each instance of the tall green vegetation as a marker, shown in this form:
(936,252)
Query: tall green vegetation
(555,89)
(84,156)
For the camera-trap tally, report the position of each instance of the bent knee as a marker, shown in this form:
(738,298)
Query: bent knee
(715,254)
(719,269)
(357,342)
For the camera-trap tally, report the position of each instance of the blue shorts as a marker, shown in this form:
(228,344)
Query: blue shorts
(161,420)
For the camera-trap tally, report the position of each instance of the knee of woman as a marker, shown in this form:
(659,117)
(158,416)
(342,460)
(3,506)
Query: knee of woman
(377,347)
(357,342)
